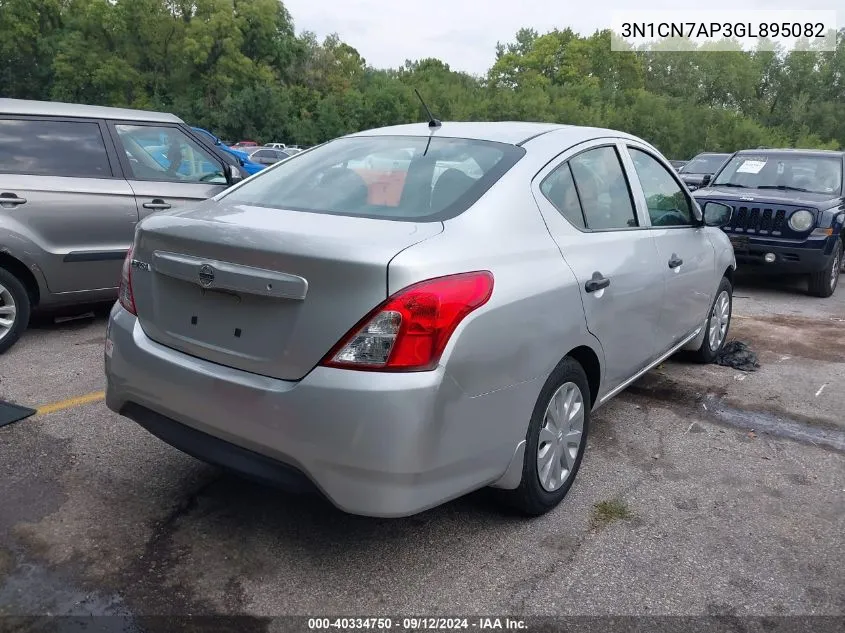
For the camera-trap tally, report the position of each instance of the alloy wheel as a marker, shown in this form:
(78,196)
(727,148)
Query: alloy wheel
(8,312)
(720,318)
(560,436)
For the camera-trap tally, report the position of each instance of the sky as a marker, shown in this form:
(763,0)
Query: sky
(463,33)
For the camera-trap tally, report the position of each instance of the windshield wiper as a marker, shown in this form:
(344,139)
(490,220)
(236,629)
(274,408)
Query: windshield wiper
(785,188)
(728,184)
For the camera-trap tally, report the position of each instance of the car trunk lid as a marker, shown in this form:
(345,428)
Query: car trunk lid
(262,290)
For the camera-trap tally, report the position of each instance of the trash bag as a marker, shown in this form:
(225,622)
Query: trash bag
(738,355)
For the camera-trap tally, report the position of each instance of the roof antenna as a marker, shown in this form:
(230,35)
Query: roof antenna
(432,122)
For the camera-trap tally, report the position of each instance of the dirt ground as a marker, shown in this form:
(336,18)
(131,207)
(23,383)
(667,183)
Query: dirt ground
(704,491)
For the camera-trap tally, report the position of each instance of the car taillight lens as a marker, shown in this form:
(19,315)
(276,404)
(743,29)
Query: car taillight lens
(124,292)
(410,330)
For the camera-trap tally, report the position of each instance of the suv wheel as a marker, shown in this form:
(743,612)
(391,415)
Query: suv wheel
(555,442)
(14,309)
(823,283)
(718,324)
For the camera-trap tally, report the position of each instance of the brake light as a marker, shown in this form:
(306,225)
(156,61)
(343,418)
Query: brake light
(124,292)
(410,330)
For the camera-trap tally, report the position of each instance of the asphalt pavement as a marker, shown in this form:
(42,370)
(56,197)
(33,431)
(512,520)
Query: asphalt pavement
(693,499)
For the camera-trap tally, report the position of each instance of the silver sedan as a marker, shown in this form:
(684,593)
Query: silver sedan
(396,338)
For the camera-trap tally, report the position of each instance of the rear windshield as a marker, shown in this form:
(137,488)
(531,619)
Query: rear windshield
(705,164)
(392,177)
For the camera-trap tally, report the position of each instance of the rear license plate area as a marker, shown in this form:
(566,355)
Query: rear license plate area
(221,321)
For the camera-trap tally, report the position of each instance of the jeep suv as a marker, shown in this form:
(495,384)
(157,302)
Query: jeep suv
(74,182)
(789,210)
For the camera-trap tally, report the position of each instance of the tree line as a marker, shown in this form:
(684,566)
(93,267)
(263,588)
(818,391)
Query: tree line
(238,68)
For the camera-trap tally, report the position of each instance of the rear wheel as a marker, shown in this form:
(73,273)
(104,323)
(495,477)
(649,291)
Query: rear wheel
(14,309)
(718,324)
(823,283)
(555,442)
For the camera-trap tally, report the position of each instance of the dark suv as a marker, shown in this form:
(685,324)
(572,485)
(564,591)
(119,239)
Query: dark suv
(697,172)
(789,210)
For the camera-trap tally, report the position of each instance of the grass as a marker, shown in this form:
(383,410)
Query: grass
(607,512)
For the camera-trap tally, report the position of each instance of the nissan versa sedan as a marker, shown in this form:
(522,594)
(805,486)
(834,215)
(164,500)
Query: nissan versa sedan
(395,352)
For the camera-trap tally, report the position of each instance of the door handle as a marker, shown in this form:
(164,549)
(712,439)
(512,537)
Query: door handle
(156,204)
(597,282)
(11,199)
(675,261)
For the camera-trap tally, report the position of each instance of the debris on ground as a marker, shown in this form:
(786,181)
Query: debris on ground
(10,413)
(606,512)
(738,355)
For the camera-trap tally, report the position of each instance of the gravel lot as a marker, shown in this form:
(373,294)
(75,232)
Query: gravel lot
(692,500)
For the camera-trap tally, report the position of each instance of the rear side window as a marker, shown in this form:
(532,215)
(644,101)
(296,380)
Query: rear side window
(44,147)
(603,189)
(393,177)
(559,188)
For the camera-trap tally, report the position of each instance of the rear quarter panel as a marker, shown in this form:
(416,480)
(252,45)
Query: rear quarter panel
(501,355)
(534,316)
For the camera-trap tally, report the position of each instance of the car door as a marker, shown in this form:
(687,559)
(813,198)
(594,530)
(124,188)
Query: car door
(166,168)
(590,213)
(687,257)
(64,200)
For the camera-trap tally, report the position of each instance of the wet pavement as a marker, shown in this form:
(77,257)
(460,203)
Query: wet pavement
(732,486)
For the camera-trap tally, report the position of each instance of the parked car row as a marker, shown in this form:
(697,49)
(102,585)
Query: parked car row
(256,330)
(399,316)
(696,172)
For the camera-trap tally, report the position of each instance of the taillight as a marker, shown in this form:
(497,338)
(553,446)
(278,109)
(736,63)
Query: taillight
(410,330)
(124,292)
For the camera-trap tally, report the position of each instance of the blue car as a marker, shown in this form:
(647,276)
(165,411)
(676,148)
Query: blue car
(248,165)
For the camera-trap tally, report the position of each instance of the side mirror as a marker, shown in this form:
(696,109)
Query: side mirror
(233,174)
(717,214)
(706,180)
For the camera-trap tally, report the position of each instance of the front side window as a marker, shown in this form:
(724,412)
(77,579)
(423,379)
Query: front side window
(45,147)
(393,177)
(603,189)
(168,154)
(796,172)
(667,204)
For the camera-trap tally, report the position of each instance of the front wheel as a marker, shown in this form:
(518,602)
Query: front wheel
(555,442)
(823,283)
(14,309)
(718,324)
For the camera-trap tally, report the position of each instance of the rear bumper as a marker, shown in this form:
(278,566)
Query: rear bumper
(809,257)
(373,444)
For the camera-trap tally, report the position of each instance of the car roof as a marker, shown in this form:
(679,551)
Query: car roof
(77,110)
(721,154)
(511,132)
(793,151)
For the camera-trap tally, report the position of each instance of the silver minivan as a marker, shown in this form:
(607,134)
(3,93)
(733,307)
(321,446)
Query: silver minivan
(74,182)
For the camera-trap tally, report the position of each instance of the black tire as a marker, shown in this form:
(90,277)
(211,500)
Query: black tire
(823,283)
(531,498)
(706,353)
(22,306)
